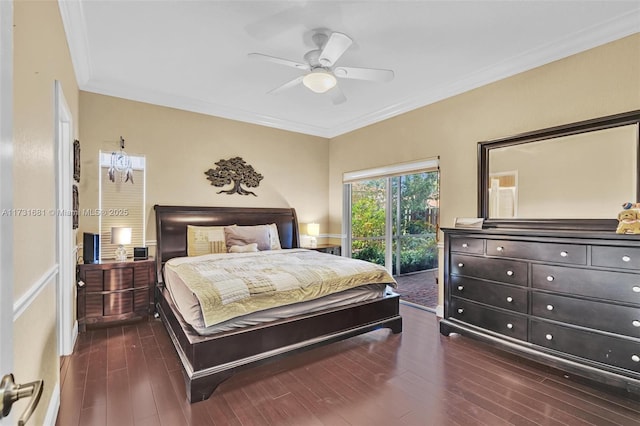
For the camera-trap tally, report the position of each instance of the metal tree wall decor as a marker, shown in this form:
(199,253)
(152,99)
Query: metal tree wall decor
(234,170)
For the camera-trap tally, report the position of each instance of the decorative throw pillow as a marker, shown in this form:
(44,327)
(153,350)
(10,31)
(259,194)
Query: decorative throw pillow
(205,239)
(243,235)
(244,249)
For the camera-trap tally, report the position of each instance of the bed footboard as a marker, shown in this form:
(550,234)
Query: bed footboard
(209,360)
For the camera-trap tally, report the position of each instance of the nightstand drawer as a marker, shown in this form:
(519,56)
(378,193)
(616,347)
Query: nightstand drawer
(512,325)
(92,280)
(598,315)
(549,252)
(118,279)
(501,296)
(118,303)
(619,352)
(506,271)
(141,277)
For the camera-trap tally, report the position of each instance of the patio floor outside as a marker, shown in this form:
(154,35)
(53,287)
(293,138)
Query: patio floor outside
(420,288)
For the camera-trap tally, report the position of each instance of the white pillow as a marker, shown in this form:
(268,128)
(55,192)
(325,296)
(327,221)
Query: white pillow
(244,249)
(274,237)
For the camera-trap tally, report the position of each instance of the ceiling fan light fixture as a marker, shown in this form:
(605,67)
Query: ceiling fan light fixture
(319,81)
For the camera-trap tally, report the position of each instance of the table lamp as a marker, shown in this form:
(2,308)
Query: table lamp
(121,236)
(313,229)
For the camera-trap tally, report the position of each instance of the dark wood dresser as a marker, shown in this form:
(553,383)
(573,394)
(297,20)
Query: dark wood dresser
(569,299)
(112,292)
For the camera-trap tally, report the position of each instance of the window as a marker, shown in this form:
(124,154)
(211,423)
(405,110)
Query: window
(122,204)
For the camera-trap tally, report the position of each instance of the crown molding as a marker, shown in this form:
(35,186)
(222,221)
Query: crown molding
(202,107)
(614,29)
(74,27)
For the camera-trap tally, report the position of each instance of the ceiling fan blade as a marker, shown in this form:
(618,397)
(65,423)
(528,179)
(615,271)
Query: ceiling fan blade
(337,44)
(281,61)
(287,85)
(370,74)
(337,96)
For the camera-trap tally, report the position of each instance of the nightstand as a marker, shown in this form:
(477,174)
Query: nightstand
(326,248)
(112,292)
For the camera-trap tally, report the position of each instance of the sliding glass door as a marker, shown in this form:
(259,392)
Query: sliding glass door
(394,221)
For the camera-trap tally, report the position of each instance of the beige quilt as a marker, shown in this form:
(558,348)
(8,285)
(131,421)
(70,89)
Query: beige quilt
(234,284)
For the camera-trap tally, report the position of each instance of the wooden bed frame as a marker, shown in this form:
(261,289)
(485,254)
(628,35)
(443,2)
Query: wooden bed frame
(209,360)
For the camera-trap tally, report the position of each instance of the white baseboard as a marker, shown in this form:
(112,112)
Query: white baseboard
(440,311)
(53,408)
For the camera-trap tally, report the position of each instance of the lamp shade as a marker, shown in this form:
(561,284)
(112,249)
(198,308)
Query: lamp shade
(120,235)
(313,229)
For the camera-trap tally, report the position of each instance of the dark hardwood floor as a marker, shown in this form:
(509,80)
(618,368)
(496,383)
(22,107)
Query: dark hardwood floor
(130,376)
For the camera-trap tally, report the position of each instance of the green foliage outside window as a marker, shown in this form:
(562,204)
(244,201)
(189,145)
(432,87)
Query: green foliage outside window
(417,225)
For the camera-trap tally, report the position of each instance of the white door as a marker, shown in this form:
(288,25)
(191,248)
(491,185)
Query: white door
(6,196)
(8,389)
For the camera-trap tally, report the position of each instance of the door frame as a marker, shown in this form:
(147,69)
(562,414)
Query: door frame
(6,192)
(67,326)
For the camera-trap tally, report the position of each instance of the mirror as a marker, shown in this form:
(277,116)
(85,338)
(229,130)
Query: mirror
(567,177)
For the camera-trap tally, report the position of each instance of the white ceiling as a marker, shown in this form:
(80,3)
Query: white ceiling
(192,55)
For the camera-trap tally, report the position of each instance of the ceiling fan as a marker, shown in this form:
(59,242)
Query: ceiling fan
(322,74)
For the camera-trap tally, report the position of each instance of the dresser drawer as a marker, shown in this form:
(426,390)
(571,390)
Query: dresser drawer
(619,352)
(512,325)
(620,286)
(616,257)
(601,316)
(467,245)
(502,296)
(506,271)
(549,252)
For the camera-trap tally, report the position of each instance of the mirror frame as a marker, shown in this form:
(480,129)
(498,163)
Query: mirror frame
(484,148)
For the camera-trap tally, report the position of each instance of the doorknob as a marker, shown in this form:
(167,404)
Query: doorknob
(10,392)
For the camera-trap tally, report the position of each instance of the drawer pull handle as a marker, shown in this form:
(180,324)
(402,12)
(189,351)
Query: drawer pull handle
(635,358)
(564,254)
(510,273)
(500,248)
(509,326)
(460,287)
(636,323)
(636,289)
(460,310)
(460,265)
(81,283)
(626,259)
(509,299)
(465,245)
(550,278)
(549,307)
(549,337)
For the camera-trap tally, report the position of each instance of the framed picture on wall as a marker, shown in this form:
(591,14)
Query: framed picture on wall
(75,206)
(76,160)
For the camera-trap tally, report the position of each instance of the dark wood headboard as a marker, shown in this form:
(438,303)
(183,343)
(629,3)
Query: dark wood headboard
(172,221)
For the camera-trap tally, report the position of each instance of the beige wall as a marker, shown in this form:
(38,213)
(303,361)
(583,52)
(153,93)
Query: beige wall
(180,146)
(41,56)
(595,83)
